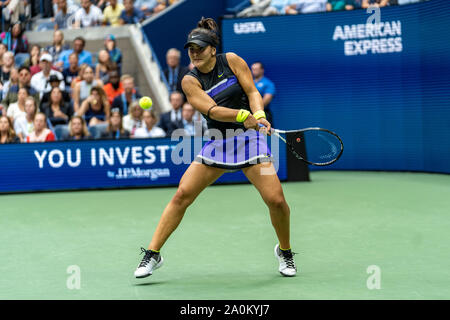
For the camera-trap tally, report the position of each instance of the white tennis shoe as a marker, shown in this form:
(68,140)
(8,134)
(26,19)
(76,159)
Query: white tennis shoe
(286,259)
(150,262)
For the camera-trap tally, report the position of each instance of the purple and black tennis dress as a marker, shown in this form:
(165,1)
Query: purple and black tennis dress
(231,146)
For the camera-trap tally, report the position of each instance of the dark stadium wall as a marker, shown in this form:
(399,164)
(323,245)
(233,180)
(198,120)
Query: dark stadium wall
(388,99)
(170,30)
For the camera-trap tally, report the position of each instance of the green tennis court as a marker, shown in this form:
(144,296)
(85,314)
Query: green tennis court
(341,223)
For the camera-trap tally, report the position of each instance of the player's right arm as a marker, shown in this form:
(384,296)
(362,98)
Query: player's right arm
(202,102)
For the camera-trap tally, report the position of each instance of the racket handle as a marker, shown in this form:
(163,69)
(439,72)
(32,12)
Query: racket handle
(261,125)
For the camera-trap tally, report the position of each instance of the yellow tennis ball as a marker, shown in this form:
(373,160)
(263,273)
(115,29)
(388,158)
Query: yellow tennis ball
(145,103)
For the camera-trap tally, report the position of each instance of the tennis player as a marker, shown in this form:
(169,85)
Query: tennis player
(221,87)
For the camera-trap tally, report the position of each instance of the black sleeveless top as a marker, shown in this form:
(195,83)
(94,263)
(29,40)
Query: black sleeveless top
(223,87)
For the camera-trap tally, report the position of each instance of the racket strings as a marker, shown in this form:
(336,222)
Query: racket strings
(317,147)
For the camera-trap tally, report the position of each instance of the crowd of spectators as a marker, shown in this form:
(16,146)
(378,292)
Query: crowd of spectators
(252,8)
(64,92)
(64,14)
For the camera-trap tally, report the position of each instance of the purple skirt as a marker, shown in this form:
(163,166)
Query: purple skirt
(242,150)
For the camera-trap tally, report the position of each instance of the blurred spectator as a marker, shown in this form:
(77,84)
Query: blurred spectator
(13,9)
(174,72)
(265,87)
(66,104)
(113,50)
(146,6)
(115,129)
(13,80)
(130,15)
(45,8)
(58,45)
(24,124)
(307,6)
(104,66)
(337,5)
(133,120)
(112,13)
(357,4)
(40,133)
(163,4)
(192,128)
(376,3)
(5,70)
(101,4)
(78,47)
(95,108)
(64,16)
(172,120)
(239,7)
(33,60)
(70,73)
(3,49)
(114,87)
(15,39)
(17,109)
(83,88)
(24,82)
(278,7)
(256,8)
(149,130)
(77,129)
(7,133)
(88,15)
(40,80)
(80,76)
(128,96)
(55,82)
(56,109)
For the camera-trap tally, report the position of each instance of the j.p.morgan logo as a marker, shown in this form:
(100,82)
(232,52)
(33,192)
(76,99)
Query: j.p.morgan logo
(249,27)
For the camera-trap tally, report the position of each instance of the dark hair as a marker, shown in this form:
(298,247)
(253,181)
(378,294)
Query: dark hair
(81,39)
(24,67)
(209,27)
(260,64)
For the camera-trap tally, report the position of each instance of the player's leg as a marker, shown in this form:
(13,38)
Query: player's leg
(196,178)
(263,176)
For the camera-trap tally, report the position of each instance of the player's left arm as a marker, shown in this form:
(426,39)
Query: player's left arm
(245,78)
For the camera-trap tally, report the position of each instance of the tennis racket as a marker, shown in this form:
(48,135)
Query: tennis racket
(315,146)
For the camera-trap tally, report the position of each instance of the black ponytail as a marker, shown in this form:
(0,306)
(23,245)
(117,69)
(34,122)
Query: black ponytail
(209,27)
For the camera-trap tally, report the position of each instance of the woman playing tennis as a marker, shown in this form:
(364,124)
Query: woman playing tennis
(221,87)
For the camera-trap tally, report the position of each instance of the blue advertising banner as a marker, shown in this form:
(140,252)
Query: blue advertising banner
(104,164)
(378,78)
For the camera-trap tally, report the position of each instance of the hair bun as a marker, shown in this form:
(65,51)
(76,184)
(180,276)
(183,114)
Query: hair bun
(208,24)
